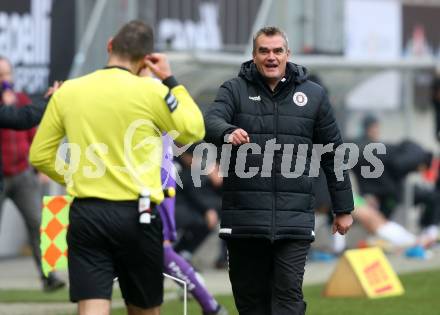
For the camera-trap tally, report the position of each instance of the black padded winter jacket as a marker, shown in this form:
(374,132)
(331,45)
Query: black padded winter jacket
(274,204)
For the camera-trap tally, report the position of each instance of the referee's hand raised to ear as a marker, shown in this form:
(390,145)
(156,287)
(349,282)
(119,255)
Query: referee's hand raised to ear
(159,65)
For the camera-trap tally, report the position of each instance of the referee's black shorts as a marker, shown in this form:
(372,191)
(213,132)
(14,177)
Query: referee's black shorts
(105,241)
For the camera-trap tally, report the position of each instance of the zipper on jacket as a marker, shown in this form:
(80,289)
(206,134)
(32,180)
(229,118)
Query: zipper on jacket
(274,173)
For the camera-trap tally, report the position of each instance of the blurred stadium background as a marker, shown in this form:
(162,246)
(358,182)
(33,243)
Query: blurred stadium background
(374,56)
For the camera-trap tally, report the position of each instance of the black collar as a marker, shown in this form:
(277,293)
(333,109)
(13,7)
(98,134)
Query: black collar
(117,67)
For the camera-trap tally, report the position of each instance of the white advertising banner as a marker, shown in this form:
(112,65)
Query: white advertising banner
(373,29)
(25,41)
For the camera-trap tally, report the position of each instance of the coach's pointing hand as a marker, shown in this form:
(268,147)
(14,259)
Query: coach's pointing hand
(238,136)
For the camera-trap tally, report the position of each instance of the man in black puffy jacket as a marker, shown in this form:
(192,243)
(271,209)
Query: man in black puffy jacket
(267,218)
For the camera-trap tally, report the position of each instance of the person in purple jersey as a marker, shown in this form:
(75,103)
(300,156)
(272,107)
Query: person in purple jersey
(176,265)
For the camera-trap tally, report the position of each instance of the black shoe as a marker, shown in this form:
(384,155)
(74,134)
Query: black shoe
(52,283)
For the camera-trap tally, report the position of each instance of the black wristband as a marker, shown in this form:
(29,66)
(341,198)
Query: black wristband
(170,82)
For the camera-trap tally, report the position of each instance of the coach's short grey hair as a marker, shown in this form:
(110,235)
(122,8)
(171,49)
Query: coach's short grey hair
(269,31)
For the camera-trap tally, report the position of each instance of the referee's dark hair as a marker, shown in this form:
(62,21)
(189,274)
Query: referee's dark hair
(133,41)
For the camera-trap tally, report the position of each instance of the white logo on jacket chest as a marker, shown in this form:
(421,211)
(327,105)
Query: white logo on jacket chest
(300,99)
(255,98)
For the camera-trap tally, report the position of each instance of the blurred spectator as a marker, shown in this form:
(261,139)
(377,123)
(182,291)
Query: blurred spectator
(435,93)
(386,192)
(20,181)
(418,45)
(369,217)
(196,207)
(375,223)
(18,118)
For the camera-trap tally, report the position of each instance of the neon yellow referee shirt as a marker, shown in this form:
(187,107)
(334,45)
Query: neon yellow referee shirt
(113,121)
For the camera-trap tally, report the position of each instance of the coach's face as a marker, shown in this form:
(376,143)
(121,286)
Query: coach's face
(270,56)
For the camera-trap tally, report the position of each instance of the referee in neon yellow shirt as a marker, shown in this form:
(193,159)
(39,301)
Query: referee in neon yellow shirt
(113,120)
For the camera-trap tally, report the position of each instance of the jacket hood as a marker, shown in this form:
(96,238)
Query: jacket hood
(295,73)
